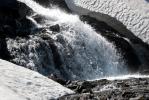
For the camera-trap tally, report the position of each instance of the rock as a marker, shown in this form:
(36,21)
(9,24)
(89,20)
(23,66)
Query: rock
(55,28)
(128,89)
(8,4)
(4,54)
(145,72)
(11,18)
(57,79)
(9,8)
(23,10)
(9,31)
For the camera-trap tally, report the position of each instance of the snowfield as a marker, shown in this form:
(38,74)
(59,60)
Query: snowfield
(18,83)
(134,14)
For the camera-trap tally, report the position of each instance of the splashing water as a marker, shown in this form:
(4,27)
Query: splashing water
(85,54)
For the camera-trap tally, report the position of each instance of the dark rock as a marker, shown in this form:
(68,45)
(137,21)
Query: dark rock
(9,31)
(8,8)
(4,54)
(56,55)
(135,89)
(145,72)
(23,10)
(39,19)
(55,28)
(57,79)
(26,27)
(128,95)
(128,53)
(8,4)
(12,15)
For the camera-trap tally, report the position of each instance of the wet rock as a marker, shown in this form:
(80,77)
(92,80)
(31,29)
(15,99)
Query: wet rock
(129,89)
(55,28)
(127,51)
(23,10)
(12,15)
(4,54)
(145,72)
(39,19)
(58,79)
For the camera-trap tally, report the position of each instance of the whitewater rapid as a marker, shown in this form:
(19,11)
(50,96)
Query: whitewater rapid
(84,53)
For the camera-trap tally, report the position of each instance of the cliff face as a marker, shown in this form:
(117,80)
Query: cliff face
(118,13)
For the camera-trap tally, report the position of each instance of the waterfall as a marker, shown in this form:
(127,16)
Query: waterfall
(84,53)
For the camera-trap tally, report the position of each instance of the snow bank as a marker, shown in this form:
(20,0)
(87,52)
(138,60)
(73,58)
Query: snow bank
(134,14)
(18,83)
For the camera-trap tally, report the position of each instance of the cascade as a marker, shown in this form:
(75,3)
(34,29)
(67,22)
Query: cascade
(83,53)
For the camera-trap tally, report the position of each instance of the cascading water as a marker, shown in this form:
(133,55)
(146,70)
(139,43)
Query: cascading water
(84,54)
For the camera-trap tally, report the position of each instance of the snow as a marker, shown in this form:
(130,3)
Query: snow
(134,14)
(18,83)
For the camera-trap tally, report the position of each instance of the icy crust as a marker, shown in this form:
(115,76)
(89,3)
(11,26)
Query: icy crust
(134,14)
(18,83)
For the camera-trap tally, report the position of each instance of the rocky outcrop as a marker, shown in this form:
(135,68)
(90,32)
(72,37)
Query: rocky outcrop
(123,89)
(119,14)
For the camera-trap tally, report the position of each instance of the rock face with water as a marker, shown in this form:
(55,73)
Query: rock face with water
(50,43)
(64,46)
(128,17)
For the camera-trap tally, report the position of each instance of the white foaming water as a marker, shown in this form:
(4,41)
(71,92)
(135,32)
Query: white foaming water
(85,53)
(124,77)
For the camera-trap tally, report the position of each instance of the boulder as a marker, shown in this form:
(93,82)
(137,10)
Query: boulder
(55,28)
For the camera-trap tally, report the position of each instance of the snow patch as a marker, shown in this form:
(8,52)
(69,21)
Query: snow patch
(18,83)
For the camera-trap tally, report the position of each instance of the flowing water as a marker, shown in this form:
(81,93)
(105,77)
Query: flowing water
(84,53)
